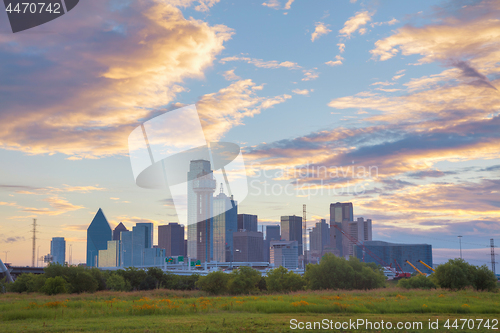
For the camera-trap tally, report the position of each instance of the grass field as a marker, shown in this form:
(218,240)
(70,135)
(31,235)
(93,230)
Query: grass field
(171,311)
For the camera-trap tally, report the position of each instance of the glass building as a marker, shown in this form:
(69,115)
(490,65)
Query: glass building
(225,223)
(171,238)
(201,186)
(390,253)
(248,246)
(116,232)
(98,234)
(291,230)
(340,216)
(247,222)
(285,253)
(111,256)
(320,237)
(272,233)
(58,250)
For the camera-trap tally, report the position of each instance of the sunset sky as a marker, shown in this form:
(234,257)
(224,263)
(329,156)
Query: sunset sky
(408,88)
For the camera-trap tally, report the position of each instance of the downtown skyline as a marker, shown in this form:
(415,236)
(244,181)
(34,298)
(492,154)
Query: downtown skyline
(410,89)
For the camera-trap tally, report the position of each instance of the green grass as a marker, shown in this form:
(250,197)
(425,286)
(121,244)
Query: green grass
(170,311)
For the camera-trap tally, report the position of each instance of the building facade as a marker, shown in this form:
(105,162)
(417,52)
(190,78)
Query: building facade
(225,223)
(340,216)
(247,222)
(111,256)
(136,247)
(201,186)
(291,230)
(248,246)
(171,238)
(98,234)
(272,233)
(58,250)
(390,253)
(320,237)
(284,253)
(116,232)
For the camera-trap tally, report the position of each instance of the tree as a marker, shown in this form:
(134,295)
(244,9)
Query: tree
(456,274)
(485,279)
(214,283)
(337,273)
(243,280)
(282,280)
(116,282)
(54,285)
(134,276)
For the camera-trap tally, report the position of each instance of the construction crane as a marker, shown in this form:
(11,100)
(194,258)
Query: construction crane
(401,274)
(429,267)
(415,268)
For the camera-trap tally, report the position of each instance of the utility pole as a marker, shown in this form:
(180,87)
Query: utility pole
(304,217)
(34,243)
(70,253)
(6,252)
(492,245)
(460,239)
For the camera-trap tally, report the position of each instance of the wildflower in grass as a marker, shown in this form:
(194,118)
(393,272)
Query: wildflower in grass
(465,306)
(300,303)
(441,295)
(424,306)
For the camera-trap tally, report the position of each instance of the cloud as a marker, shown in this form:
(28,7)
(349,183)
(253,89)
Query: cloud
(10,240)
(391,22)
(93,88)
(341,47)
(310,74)
(337,62)
(469,72)
(383,83)
(203,5)
(261,63)
(76,227)
(288,4)
(275,4)
(230,76)
(355,22)
(430,173)
(321,29)
(221,111)
(304,92)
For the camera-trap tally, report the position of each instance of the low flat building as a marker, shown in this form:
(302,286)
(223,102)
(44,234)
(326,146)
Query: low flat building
(284,253)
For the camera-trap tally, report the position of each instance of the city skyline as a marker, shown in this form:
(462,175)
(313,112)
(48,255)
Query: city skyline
(347,95)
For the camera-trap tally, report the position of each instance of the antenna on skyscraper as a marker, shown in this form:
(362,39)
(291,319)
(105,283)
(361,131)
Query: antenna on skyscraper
(221,188)
(304,218)
(34,243)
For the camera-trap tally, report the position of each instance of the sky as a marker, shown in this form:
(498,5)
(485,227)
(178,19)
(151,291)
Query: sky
(391,105)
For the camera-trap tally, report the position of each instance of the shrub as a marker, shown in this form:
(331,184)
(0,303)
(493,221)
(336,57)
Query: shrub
(485,279)
(83,282)
(134,276)
(337,273)
(116,282)
(54,285)
(282,280)
(214,283)
(28,283)
(243,280)
(417,282)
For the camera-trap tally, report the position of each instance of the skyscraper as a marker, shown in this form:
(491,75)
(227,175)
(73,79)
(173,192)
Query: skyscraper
(58,250)
(136,247)
(320,237)
(340,216)
(247,222)
(201,186)
(98,234)
(225,223)
(248,246)
(285,253)
(149,230)
(116,232)
(291,229)
(171,238)
(272,233)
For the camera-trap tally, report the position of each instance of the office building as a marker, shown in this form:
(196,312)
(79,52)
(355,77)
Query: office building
(291,230)
(340,216)
(320,237)
(272,233)
(111,256)
(247,222)
(225,223)
(136,247)
(201,186)
(285,253)
(116,232)
(98,234)
(390,253)
(171,238)
(248,246)
(58,250)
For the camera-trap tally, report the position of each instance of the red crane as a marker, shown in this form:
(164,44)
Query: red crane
(401,274)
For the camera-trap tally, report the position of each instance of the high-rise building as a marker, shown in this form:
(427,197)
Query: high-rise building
(248,246)
(291,229)
(116,232)
(58,250)
(247,222)
(390,252)
(340,216)
(149,227)
(98,234)
(272,233)
(225,223)
(285,253)
(201,186)
(136,248)
(111,256)
(320,237)
(171,238)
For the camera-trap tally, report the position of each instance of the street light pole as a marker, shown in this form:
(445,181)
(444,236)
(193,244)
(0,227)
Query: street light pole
(6,252)
(460,240)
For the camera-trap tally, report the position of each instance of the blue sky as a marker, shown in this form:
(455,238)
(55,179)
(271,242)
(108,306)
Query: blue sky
(407,87)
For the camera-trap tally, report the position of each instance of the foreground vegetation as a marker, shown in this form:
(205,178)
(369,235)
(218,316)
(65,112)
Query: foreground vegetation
(194,311)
